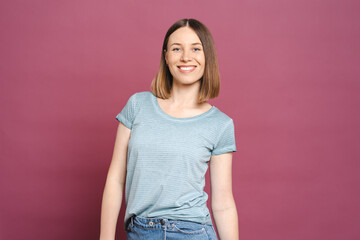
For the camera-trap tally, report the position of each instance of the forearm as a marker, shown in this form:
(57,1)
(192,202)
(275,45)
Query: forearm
(111,203)
(226,222)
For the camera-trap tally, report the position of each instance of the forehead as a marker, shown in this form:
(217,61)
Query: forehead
(184,35)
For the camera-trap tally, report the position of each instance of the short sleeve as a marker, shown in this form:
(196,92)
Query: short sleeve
(127,114)
(226,141)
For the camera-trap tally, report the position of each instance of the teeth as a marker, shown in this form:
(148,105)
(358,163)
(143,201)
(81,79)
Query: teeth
(186,68)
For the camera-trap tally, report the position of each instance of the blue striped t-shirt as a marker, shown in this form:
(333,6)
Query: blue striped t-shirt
(168,157)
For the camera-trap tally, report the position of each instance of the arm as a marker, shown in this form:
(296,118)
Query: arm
(222,201)
(114,186)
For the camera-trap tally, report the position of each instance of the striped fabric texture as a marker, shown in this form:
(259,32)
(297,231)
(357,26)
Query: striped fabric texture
(168,157)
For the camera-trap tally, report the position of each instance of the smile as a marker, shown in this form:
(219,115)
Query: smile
(186,68)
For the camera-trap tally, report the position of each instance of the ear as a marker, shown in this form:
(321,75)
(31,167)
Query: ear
(165,55)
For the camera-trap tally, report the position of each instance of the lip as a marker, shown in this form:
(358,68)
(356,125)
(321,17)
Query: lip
(186,68)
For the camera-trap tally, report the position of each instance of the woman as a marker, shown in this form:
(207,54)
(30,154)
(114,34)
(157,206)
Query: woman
(165,139)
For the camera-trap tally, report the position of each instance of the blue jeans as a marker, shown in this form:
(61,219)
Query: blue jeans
(165,229)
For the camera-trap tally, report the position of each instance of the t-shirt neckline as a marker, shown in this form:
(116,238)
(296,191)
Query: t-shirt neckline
(157,106)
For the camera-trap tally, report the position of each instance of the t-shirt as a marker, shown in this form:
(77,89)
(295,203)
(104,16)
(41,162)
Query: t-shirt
(168,157)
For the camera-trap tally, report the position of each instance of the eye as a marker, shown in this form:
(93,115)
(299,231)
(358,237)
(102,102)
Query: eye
(197,49)
(176,49)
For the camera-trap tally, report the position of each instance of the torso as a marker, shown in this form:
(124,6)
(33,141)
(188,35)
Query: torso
(167,157)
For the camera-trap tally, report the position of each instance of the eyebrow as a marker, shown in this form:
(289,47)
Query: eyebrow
(197,43)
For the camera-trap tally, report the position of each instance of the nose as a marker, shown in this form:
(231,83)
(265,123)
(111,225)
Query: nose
(186,56)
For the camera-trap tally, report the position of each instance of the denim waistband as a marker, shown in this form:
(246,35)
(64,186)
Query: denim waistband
(157,222)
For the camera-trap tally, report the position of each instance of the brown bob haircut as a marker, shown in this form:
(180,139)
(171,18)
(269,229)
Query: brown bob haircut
(210,82)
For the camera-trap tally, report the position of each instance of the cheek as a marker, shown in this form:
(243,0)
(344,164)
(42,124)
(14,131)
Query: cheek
(201,59)
(202,62)
(170,58)
(172,69)
(203,70)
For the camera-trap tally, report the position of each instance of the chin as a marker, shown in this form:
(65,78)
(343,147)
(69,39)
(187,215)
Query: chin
(188,81)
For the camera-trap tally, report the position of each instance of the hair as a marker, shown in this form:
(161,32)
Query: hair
(210,82)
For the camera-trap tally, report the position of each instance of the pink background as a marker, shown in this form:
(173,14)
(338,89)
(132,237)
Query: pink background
(290,80)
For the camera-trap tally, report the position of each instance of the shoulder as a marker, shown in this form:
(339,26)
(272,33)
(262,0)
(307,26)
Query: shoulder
(141,95)
(221,116)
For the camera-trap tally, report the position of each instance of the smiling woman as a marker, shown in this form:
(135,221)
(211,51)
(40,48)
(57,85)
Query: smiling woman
(165,141)
(188,38)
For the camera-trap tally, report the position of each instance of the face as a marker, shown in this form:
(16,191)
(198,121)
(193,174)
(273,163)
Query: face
(185,56)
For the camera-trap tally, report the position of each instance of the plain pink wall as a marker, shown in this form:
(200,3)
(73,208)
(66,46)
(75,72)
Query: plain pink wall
(290,80)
